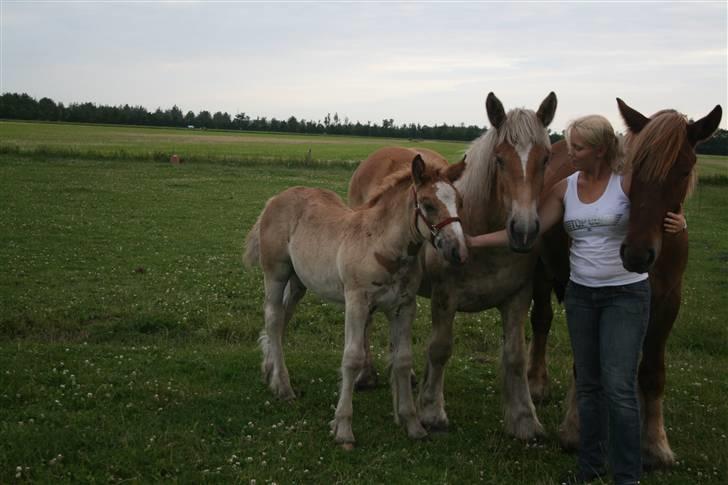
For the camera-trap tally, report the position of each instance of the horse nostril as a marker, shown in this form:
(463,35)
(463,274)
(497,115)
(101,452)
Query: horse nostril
(621,251)
(650,256)
(537,228)
(513,226)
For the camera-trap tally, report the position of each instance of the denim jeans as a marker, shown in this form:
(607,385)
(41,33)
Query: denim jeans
(607,326)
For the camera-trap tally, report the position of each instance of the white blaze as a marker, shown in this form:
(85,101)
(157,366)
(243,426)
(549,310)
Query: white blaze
(446,194)
(523,152)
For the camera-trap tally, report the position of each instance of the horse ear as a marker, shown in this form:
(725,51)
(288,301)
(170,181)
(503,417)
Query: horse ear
(634,119)
(453,172)
(418,170)
(547,109)
(704,127)
(494,108)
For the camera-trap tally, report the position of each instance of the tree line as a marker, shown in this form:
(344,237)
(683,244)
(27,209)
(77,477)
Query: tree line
(24,107)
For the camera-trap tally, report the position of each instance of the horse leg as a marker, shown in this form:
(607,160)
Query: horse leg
(655,447)
(520,414)
(400,329)
(368,377)
(357,312)
(569,428)
(273,367)
(431,399)
(541,317)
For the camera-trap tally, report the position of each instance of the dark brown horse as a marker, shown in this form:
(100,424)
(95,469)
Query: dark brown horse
(661,154)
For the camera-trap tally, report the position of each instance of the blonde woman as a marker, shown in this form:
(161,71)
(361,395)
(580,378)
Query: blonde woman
(607,307)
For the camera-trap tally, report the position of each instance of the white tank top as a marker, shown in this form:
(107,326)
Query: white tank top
(597,231)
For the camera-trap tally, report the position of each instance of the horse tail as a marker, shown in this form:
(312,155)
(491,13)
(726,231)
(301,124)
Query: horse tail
(251,256)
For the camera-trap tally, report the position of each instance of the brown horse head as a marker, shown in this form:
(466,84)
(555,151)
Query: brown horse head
(507,170)
(520,161)
(661,153)
(437,206)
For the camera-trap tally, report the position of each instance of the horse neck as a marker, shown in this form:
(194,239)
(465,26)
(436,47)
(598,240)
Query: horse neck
(483,206)
(394,216)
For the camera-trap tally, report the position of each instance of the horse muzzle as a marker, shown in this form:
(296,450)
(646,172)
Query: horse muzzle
(637,260)
(522,239)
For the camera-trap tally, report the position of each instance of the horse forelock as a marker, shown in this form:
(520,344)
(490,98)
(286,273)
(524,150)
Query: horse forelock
(654,150)
(521,128)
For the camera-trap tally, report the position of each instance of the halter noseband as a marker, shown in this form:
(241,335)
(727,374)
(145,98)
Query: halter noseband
(434,230)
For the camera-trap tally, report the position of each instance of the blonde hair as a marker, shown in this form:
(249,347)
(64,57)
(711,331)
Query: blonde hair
(597,132)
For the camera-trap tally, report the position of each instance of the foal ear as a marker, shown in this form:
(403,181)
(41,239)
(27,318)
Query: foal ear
(453,172)
(704,127)
(494,108)
(547,109)
(634,119)
(418,170)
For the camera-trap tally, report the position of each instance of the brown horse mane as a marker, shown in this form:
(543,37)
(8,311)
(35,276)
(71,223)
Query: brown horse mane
(653,151)
(392,181)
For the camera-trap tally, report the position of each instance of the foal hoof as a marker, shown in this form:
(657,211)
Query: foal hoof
(347,446)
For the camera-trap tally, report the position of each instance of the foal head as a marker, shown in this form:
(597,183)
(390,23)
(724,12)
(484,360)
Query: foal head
(437,205)
(661,152)
(516,150)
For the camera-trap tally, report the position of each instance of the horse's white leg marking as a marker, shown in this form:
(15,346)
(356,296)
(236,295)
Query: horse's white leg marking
(520,414)
(656,449)
(431,400)
(400,330)
(357,312)
(271,341)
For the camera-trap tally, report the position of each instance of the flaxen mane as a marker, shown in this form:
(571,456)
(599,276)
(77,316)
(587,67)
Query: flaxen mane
(521,127)
(653,151)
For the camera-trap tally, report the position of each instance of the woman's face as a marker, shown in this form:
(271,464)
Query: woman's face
(583,155)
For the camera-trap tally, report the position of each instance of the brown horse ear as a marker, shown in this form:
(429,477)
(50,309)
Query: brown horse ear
(634,119)
(547,109)
(418,170)
(453,172)
(494,108)
(704,127)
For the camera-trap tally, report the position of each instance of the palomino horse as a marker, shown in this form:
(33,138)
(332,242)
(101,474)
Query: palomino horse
(661,152)
(367,259)
(500,188)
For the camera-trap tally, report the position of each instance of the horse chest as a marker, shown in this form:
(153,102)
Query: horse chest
(397,281)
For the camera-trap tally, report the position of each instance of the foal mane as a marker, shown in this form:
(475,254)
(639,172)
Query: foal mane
(654,150)
(521,126)
(389,183)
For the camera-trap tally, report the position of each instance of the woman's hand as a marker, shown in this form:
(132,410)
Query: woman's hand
(675,223)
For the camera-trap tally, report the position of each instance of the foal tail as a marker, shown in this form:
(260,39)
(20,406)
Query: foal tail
(251,256)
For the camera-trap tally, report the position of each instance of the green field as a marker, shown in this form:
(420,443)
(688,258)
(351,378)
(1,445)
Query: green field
(128,328)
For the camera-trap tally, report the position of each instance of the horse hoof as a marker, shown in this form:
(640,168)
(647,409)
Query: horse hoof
(347,446)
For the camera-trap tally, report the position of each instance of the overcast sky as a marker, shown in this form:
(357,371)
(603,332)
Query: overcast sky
(414,62)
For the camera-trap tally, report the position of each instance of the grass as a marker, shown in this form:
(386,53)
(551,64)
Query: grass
(128,328)
(127,143)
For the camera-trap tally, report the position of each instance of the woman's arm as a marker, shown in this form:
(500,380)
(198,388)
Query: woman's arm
(550,211)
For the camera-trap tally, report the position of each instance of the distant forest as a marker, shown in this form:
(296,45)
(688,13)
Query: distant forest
(24,107)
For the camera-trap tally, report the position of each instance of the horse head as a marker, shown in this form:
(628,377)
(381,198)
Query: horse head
(521,150)
(437,206)
(661,152)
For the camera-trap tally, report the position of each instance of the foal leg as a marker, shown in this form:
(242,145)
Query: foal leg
(357,312)
(431,400)
(274,370)
(400,330)
(368,377)
(520,414)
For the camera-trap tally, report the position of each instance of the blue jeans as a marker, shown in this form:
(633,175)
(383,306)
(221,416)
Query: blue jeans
(607,326)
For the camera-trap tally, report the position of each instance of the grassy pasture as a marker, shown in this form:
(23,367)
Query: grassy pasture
(127,344)
(97,141)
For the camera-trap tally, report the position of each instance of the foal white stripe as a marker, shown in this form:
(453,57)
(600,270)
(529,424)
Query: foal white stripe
(523,152)
(446,194)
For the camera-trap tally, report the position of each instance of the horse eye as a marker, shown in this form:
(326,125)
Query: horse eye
(546,159)
(428,207)
(500,162)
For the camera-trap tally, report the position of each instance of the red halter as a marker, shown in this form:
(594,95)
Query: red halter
(434,230)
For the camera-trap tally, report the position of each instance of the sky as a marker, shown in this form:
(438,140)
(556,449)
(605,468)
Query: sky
(414,62)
